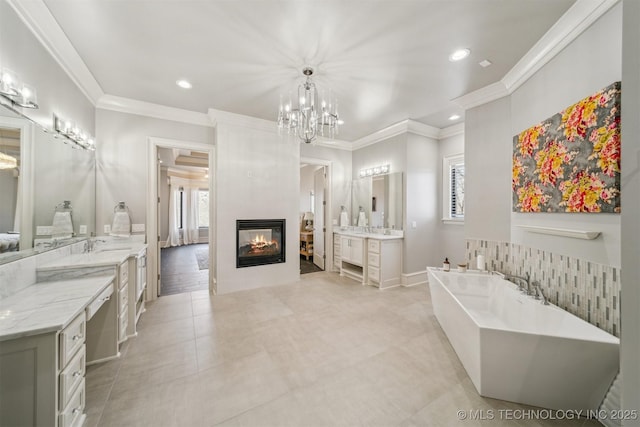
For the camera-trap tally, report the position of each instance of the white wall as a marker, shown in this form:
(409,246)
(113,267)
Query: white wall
(590,63)
(417,157)
(121,157)
(630,241)
(340,175)
(421,244)
(451,236)
(258,177)
(21,52)
(487,152)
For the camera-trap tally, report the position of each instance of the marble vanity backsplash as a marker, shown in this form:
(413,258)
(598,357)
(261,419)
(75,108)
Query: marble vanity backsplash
(586,289)
(19,274)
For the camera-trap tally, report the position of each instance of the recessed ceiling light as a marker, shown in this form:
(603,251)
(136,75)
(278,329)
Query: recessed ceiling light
(459,54)
(184,84)
(485,63)
(454,117)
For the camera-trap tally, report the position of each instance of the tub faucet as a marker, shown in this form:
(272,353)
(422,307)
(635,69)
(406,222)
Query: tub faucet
(515,279)
(539,294)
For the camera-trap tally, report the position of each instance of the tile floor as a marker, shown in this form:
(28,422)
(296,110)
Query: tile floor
(179,270)
(322,352)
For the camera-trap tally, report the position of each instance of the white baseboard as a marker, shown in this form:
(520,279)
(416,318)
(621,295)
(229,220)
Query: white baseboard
(413,279)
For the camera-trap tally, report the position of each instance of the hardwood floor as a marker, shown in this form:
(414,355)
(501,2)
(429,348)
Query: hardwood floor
(180,271)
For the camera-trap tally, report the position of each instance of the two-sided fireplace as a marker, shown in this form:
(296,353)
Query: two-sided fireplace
(260,242)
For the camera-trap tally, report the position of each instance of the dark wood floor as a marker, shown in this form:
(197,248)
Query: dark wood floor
(180,271)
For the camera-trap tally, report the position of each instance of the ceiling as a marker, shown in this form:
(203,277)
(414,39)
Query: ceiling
(385,60)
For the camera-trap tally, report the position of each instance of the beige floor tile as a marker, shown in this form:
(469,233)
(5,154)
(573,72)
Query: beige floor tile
(325,351)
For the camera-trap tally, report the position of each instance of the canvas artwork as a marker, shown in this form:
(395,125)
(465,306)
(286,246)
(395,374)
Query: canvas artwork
(571,161)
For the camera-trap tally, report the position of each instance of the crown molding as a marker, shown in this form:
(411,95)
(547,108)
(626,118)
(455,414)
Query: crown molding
(571,24)
(405,126)
(453,130)
(233,119)
(483,95)
(37,17)
(133,106)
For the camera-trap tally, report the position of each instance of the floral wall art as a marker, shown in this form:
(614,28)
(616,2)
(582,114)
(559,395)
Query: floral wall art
(571,161)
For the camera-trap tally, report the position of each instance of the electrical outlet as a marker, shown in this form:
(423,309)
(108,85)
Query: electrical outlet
(137,228)
(414,224)
(107,229)
(83,229)
(44,230)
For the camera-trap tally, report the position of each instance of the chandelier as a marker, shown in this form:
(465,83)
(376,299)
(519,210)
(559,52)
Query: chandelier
(311,116)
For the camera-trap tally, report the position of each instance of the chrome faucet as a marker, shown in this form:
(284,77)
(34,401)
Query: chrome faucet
(90,244)
(515,279)
(539,294)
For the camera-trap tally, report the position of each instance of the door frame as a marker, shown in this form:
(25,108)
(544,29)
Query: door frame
(328,221)
(152,208)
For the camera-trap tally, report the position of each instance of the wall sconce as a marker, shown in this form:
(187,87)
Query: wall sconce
(18,93)
(377,170)
(73,133)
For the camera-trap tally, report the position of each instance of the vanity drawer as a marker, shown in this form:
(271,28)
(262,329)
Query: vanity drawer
(71,377)
(374,246)
(123,299)
(374,274)
(99,301)
(71,339)
(124,273)
(374,259)
(73,411)
(123,322)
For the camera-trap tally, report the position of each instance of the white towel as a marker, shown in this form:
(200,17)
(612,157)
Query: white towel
(121,224)
(62,227)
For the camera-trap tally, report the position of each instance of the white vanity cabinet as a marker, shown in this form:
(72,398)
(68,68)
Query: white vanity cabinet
(337,252)
(352,251)
(123,301)
(45,345)
(137,287)
(384,262)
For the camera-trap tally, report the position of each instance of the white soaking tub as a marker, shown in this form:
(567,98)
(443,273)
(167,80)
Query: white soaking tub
(517,349)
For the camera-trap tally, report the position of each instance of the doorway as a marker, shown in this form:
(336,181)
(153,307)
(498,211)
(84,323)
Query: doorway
(315,207)
(181,217)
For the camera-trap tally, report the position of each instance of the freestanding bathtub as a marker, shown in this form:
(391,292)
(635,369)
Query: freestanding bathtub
(517,349)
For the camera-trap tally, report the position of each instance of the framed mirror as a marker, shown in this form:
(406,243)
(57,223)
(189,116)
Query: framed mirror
(48,172)
(380,199)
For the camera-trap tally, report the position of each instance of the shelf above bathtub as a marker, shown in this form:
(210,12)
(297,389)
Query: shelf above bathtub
(564,232)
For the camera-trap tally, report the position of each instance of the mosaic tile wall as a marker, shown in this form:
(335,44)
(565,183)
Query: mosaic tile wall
(589,290)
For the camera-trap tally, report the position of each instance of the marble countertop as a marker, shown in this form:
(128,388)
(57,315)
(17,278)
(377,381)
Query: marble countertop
(377,236)
(47,306)
(90,259)
(134,248)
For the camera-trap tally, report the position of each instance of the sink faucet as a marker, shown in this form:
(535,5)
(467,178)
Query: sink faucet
(515,279)
(90,245)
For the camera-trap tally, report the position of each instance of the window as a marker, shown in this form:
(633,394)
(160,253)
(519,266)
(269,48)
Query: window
(203,208)
(453,188)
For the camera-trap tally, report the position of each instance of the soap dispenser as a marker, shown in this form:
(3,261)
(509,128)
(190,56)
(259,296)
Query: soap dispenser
(446,266)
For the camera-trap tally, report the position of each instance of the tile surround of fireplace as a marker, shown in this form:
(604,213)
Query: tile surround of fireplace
(260,242)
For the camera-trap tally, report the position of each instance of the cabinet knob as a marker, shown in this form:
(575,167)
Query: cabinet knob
(76,337)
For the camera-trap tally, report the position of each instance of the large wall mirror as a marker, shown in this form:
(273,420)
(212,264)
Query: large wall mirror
(380,200)
(48,172)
